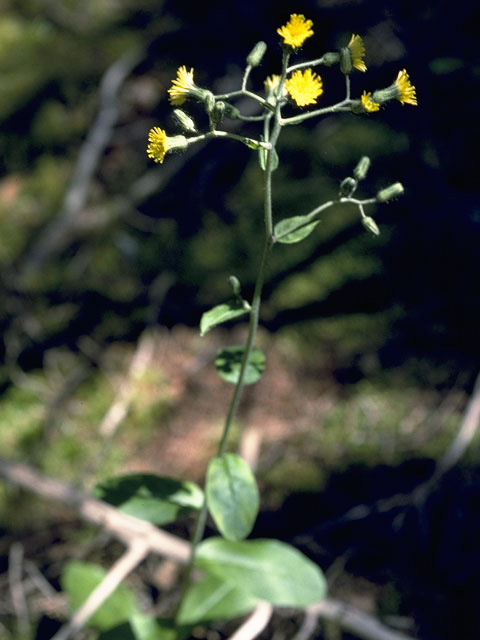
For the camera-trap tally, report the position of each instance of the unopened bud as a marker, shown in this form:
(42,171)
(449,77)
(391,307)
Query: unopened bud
(346,65)
(256,54)
(235,284)
(361,170)
(216,114)
(394,190)
(331,58)
(347,187)
(231,112)
(370,225)
(209,101)
(184,120)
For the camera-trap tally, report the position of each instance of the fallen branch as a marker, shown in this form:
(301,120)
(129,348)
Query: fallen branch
(124,527)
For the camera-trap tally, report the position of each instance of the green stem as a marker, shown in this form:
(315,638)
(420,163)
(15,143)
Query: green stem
(269,241)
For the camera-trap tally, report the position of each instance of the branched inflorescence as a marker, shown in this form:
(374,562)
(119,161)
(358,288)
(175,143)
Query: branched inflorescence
(298,85)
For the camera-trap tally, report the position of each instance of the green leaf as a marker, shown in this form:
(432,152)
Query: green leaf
(223,313)
(291,230)
(229,362)
(232,496)
(79,579)
(157,499)
(262,157)
(267,569)
(214,599)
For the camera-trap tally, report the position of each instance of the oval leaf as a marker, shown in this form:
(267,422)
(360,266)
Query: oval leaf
(229,362)
(223,313)
(213,599)
(79,579)
(294,229)
(157,499)
(232,496)
(267,569)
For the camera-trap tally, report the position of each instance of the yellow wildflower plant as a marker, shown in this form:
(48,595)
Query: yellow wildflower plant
(183,86)
(369,104)
(159,144)
(406,90)
(304,87)
(357,52)
(296,31)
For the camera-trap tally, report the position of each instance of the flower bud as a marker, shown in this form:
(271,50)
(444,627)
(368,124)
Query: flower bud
(394,190)
(370,225)
(256,54)
(184,120)
(231,112)
(235,284)
(208,101)
(347,187)
(361,170)
(331,58)
(216,114)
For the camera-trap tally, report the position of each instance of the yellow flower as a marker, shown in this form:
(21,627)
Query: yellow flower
(367,103)
(304,87)
(296,31)
(406,90)
(159,143)
(182,86)
(357,52)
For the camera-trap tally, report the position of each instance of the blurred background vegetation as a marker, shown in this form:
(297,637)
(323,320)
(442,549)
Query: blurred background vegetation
(98,245)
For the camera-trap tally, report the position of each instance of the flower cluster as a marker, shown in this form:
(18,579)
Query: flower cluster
(300,83)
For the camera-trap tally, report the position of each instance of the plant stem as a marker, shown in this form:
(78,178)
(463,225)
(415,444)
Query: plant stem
(268,243)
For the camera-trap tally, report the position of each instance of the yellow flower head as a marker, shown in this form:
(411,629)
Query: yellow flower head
(367,103)
(357,52)
(304,87)
(296,31)
(159,143)
(405,89)
(182,86)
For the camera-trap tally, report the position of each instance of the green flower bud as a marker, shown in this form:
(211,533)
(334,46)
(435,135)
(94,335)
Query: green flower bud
(394,190)
(216,114)
(208,100)
(347,187)
(346,65)
(231,112)
(256,54)
(370,225)
(235,284)
(184,120)
(361,170)
(331,58)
